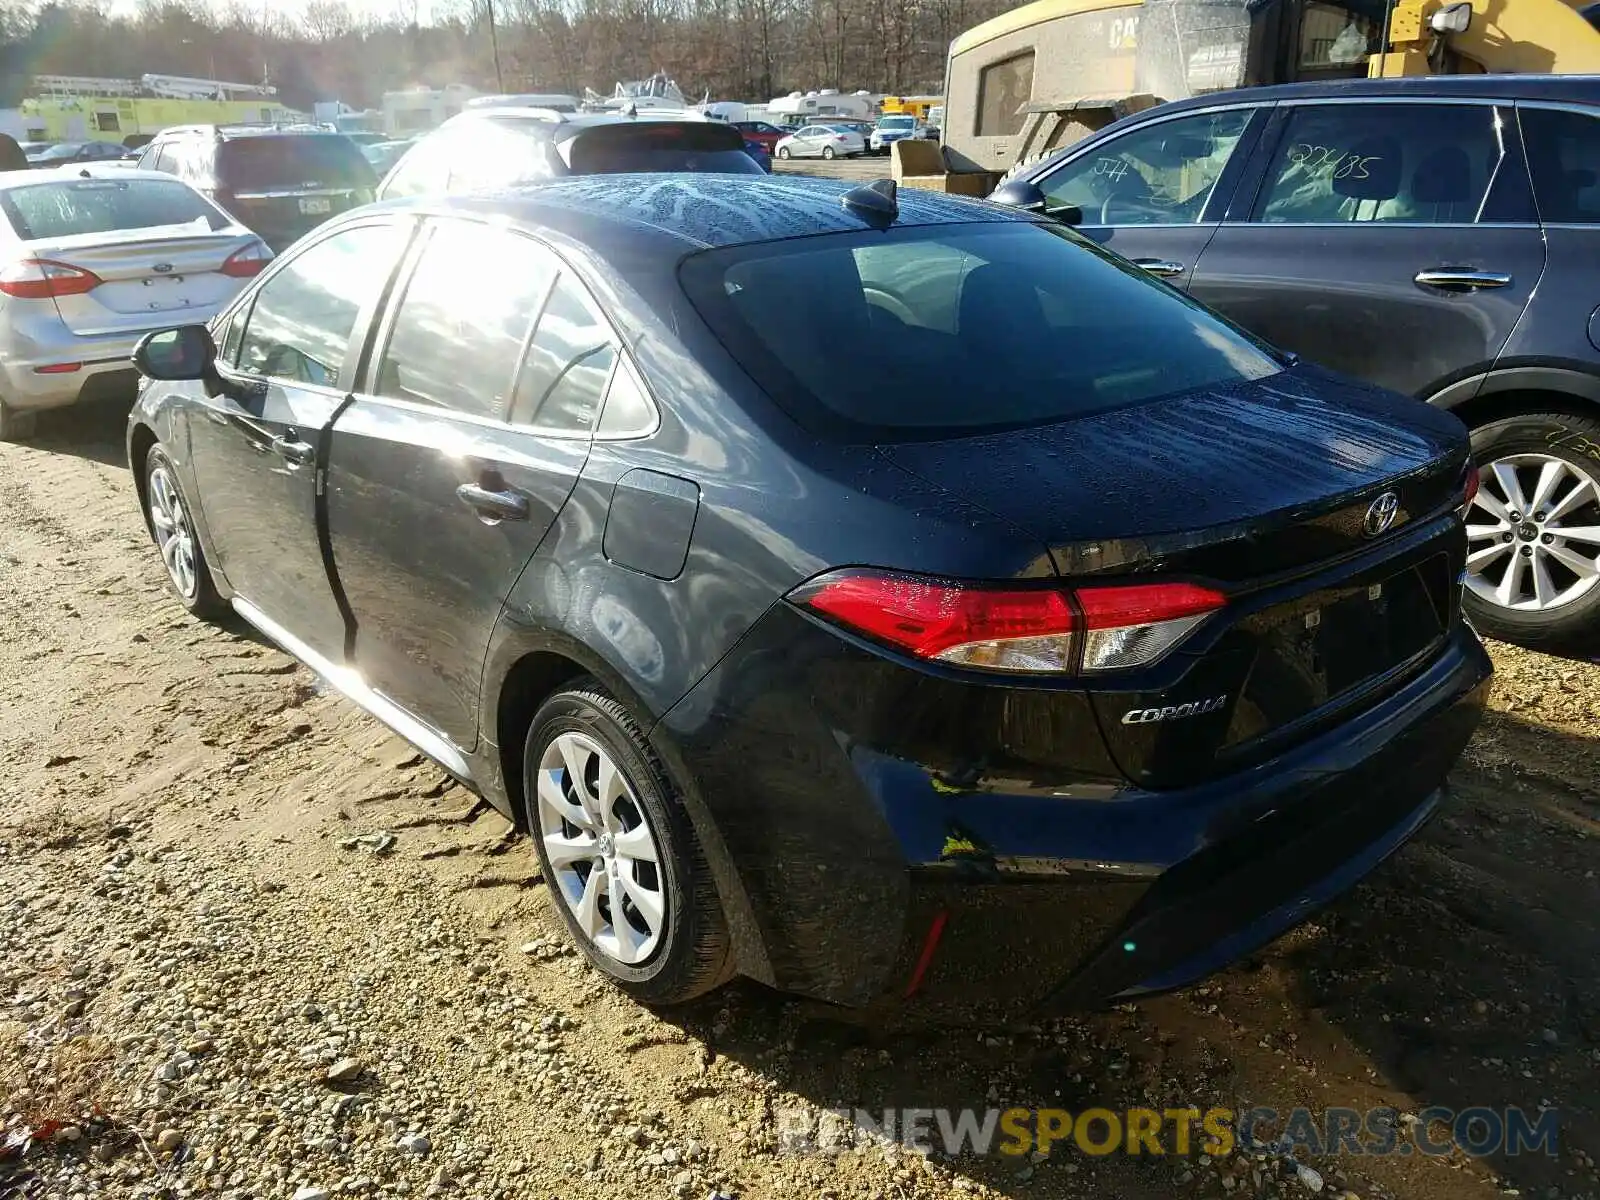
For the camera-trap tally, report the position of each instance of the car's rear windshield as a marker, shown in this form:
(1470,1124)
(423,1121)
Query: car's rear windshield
(659,146)
(944,330)
(73,207)
(287,161)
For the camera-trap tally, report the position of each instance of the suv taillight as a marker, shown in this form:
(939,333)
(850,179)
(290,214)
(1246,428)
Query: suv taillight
(1040,630)
(242,264)
(41,279)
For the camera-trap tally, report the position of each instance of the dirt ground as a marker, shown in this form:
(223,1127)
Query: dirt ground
(202,915)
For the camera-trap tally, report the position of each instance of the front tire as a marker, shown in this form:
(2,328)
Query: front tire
(621,859)
(1533,534)
(783,152)
(172,529)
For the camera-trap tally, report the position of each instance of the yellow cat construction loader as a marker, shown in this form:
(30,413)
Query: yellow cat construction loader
(1044,75)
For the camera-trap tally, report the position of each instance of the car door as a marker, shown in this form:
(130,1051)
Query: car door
(452,463)
(1156,193)
(289,357)
(1394,241)
(809,141)
(1563,320)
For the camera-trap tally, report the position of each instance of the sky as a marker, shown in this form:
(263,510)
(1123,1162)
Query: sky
(362,8)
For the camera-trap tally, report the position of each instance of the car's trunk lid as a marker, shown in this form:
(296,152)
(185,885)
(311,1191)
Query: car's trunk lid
(1274,493)
(150,278)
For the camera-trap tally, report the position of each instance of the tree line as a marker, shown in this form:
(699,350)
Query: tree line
(731,49)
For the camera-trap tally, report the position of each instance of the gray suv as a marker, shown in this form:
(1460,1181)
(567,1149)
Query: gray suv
(1438,236)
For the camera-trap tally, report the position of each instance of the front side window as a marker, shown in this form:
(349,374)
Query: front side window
(568,363)
(1382,162)
(423,170)
(1160,175)
(942,331)
(302,319)
(1004,89)
(1564,155)
(466,312)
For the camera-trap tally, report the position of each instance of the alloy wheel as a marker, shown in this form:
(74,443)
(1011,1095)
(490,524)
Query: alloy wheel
(174,537)
(601,849)
(1533,533)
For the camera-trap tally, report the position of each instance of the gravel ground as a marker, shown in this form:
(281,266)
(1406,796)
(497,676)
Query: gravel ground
(252,945)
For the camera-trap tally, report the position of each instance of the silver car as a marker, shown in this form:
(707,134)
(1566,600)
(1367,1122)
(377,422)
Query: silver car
(92,259)
(822,141)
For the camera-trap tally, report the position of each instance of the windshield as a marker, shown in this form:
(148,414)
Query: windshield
(289,161)
(79,206)
(659,146)
(897,123)
(939,331)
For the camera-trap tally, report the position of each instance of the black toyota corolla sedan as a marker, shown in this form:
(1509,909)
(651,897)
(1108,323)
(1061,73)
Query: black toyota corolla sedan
(883,597)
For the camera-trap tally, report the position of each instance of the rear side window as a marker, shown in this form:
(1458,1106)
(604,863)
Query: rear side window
(1564,155)
(492,152)
(938,331)
(81,206)
(568,364)
(465,316)
(1382,162)
(659,146)
(290,161)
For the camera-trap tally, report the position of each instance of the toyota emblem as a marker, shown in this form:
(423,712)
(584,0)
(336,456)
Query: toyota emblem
(163,268)
(1380,515)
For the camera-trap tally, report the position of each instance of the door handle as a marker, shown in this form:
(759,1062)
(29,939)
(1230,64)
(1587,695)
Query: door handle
(494,506)
(1446,277)
(294,452)
(1165,268)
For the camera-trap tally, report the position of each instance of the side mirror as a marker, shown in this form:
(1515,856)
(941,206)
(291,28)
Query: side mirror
(1019,193)
(1452,18)
(186,352)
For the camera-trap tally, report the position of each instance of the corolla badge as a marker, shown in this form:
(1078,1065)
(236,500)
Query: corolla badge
(1173,712)
(1380,515)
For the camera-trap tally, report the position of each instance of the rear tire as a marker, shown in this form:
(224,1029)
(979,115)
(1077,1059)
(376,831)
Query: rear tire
(172,530)
(14,425)
(827,152)
(625,832)
(1549,464)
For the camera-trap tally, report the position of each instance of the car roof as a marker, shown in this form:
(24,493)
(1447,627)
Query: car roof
(1572,88)
(705,210)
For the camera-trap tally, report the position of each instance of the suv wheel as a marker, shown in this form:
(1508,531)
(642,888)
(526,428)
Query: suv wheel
(173,531)
(1533,534)
(620,856)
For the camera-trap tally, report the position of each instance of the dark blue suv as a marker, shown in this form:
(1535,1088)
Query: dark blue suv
(1438,236)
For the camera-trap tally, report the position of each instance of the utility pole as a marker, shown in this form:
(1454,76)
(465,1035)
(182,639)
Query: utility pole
(494,44)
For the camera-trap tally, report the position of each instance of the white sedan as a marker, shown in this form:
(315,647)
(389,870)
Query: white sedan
(92,259)
(822,141)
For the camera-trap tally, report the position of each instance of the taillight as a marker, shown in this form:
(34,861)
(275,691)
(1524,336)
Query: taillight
(41,279)
(1470,482)
(998,628)
(242,264)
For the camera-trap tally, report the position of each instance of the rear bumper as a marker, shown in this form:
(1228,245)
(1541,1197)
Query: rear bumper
(856,809)
(104,367)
